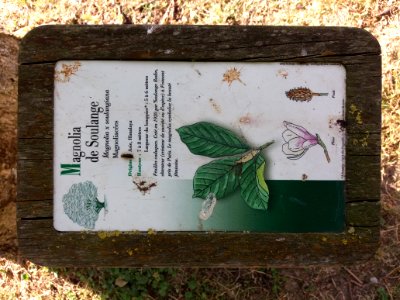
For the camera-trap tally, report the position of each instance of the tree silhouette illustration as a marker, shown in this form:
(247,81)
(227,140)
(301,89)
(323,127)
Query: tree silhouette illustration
(81,204)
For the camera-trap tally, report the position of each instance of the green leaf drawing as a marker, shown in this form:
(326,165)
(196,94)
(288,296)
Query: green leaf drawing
(253,188)
(219,177)
(242,166)
(211,140)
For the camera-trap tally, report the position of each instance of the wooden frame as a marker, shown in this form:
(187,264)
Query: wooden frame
(355,49)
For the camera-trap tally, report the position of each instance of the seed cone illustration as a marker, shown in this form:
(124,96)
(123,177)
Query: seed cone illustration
(302,94)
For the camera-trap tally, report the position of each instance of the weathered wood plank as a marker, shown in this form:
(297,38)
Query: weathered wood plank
(36,81)
(35,149)
(191,249)
(35,119)
(355,49)
(35,105)
(35,209)
(363,144)
(363,96)
(363,178)
(35,180)
(363,214)
(193,42)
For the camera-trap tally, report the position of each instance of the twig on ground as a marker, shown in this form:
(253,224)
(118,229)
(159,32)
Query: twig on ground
(387,12)
(293,277)
(388,290)
(353,275)
(238,276)
(341,294)
(334,284)
(392,271)
(260,272)
(350,290)
(356,283)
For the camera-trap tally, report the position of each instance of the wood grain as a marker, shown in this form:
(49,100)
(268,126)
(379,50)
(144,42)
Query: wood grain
(233,249)
(355,49)
(364,214)
(201,43)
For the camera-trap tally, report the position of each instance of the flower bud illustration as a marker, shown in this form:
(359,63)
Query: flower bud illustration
(298,140)
(207,207)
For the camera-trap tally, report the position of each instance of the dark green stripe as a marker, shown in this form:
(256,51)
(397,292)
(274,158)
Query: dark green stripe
(294,206)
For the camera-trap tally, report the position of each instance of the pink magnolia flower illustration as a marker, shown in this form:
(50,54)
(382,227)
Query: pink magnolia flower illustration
(298,140)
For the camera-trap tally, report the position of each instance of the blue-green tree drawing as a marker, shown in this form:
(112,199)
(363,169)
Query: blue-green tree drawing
(81,204)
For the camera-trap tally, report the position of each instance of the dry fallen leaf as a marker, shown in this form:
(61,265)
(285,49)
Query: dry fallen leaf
(120,282)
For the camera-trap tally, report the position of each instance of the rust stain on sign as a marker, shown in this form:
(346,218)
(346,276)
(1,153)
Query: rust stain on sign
(250,120)
(283,73)
(246,119)
(215,106)
(231,75)
(144,185)
(67,70)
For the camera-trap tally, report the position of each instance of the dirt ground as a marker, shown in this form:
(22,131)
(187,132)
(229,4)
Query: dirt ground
(8,142)
(378,278)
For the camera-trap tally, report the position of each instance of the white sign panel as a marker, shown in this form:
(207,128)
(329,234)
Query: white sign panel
(185,146)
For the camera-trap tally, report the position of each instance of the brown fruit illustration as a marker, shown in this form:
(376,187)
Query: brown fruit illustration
(302,94)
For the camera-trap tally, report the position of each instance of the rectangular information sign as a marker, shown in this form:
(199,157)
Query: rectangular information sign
(208,146)
(193,146)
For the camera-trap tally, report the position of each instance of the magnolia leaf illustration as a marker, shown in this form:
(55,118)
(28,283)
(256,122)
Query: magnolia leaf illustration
(219,177)
(211,140)
(253,188)
(242,166)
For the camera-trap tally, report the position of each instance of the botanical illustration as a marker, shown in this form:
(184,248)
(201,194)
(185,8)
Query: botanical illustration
(207,207)
(302,94)
(81,204)
(238,165)
(298,140)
